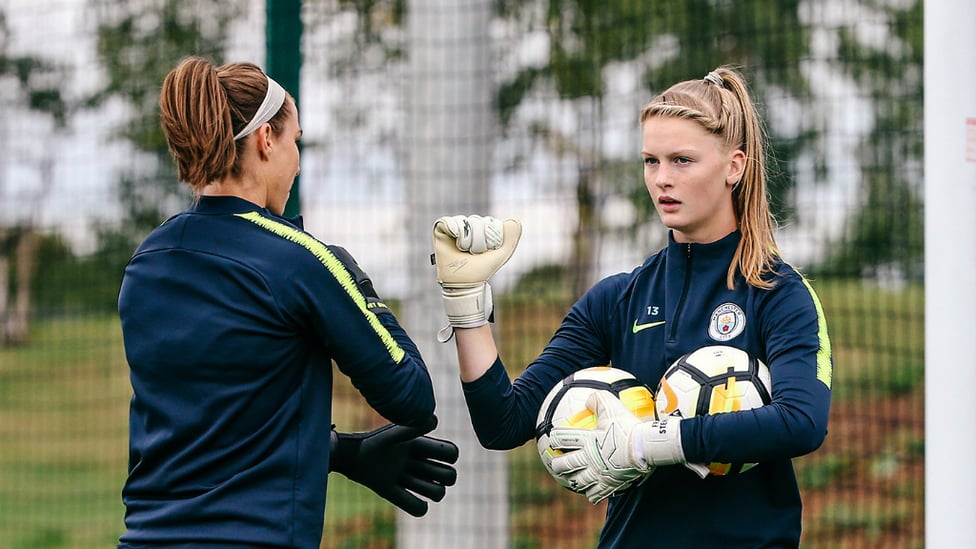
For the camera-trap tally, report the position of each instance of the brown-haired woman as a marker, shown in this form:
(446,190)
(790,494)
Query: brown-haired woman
(231,318)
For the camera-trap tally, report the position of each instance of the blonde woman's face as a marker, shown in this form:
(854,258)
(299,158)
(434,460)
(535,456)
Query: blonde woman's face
(690,176)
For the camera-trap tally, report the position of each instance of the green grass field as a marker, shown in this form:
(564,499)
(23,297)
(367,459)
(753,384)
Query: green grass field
(63,427)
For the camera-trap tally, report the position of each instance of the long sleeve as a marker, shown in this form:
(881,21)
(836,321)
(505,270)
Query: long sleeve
(797,351)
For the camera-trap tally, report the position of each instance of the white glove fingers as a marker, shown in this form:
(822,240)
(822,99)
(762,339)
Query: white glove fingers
(598,493)
(610,411)
(597,462)
(473,235)
(494,233)
(568,463)
(581,481)
(561,438)
(451,225)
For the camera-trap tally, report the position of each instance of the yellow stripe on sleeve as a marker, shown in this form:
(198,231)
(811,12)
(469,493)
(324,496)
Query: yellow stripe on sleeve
(824,366)
(336,268)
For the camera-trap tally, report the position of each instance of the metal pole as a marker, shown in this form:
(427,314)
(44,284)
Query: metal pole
(283,29)
(449,137)
(950,273)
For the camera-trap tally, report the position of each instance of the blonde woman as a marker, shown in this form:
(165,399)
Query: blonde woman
(719,281)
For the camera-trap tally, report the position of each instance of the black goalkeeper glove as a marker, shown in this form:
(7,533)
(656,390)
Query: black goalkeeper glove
(397,463)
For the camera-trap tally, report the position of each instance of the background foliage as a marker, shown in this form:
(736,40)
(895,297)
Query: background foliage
(839,83)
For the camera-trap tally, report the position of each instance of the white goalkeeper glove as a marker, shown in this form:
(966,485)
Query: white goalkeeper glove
(621,451)
(468,250)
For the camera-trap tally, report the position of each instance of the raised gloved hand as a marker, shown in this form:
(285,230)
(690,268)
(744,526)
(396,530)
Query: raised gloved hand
(397,463)
(468,250)
(620,452)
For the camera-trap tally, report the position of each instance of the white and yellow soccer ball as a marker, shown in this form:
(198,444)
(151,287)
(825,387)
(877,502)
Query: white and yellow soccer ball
(565,405)
(714,380)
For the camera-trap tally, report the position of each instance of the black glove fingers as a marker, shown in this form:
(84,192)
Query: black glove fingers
(434,448)
(424,487)
(432,471)
(405,500)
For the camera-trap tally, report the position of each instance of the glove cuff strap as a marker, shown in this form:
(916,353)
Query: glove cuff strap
(658,442)
(466,307)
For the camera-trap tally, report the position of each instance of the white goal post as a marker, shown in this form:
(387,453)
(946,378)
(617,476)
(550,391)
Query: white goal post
(950,273)
(450,129)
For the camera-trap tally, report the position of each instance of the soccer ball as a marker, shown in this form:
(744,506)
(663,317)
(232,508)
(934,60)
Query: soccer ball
(565,405)
(714,380)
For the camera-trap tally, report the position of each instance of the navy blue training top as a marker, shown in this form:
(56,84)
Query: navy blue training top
(642,321)
(231,317)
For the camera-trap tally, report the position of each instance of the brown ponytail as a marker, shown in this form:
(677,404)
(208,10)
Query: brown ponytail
(202,107)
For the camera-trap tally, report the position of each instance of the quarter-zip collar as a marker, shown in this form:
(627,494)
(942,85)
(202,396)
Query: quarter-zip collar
(691,266)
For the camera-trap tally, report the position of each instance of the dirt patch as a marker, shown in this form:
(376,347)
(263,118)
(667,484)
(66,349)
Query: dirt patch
(874,493)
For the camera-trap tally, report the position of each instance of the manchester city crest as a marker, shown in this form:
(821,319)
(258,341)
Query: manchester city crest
(727,321)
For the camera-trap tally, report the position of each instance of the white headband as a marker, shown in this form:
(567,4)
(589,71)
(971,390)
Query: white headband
(273,99)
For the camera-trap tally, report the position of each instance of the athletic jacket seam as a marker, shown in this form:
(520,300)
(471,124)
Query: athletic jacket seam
(335,267)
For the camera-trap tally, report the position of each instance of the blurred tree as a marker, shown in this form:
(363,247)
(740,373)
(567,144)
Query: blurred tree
(885,236)
(36,83)
(667,42)
(359,45)
(138,42)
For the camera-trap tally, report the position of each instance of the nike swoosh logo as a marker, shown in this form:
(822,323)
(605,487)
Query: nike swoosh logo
(639,327)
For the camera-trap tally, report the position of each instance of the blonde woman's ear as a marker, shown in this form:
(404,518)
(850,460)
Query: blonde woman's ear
(737,167)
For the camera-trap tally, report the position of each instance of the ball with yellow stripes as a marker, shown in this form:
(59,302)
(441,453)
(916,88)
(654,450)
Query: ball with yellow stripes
(565,405)
(714,380)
